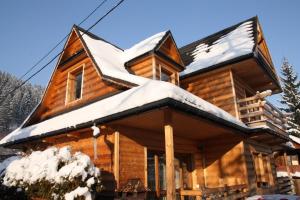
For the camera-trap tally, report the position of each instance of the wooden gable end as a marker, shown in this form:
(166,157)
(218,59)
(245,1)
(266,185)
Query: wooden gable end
(169,48)
(262,45)
(56,98)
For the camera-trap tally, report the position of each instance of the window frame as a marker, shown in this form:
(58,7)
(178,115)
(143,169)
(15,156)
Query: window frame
(74,72)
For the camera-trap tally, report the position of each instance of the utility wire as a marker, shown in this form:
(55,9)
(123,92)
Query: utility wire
(61,41)
(44,66)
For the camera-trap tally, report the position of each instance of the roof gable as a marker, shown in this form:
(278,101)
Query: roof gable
(74,57)
(169,48)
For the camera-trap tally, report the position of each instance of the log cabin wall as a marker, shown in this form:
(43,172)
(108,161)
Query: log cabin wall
(224,163)
(152,66)
(84,142)
(215,87)
(93,86)
(142,67)
(242,90)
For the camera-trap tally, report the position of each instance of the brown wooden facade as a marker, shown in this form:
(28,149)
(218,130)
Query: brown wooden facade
(170,151)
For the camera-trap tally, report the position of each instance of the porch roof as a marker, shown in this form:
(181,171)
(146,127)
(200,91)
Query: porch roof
(150,96)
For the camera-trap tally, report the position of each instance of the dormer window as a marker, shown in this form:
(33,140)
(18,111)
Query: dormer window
(165,76)
(75,85)
(168,75)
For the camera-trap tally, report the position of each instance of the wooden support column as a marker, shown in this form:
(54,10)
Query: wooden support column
(153,68)
(117,158)
(145,167)
(169,148)
(157,181)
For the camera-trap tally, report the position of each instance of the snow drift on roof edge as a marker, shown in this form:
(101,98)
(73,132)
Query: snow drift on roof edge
(149,92)
(236,43)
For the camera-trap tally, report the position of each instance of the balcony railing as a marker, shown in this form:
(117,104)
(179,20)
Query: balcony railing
(255,111)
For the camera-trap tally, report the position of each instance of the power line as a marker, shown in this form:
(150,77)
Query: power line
(44,66)
(61,41)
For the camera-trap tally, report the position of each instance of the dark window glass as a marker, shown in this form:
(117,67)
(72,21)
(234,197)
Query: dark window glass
(165,76)
(78,84)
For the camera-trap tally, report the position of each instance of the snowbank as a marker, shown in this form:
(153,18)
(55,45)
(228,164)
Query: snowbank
(236,43)
(79,192)
(149,92)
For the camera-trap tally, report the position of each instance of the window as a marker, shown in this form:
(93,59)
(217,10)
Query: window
(74,85)
(165,76)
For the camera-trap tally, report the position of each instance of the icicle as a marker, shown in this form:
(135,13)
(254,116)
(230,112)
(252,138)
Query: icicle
(96,133)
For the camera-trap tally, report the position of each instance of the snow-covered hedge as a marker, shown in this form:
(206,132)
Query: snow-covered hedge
(54,174)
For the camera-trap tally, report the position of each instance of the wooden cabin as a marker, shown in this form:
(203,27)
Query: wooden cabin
(190,121)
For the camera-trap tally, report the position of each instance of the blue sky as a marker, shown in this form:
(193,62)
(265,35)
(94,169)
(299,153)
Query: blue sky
(30,28)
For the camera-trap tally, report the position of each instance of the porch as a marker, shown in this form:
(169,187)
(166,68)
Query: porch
(178,155)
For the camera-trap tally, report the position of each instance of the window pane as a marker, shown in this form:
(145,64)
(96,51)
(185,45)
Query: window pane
(165,76)
(78,82)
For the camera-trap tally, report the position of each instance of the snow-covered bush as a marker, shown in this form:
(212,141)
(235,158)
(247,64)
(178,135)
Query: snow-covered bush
(54,174)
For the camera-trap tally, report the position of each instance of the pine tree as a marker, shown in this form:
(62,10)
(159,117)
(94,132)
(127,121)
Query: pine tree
(291,97)
(15,108)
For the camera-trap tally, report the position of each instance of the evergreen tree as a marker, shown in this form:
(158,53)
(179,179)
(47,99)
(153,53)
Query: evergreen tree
(15,108)
(291,97)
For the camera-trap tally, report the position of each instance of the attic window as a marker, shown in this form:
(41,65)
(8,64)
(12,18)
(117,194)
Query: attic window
(75,85)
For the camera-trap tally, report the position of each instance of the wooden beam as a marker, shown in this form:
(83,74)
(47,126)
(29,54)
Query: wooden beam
(145,166)
(117,158)
(157,181)
(169,148)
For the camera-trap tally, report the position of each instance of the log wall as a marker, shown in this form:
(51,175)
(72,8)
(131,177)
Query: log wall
(215,87)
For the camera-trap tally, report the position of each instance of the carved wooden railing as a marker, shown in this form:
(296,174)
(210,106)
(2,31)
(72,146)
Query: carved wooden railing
(255,111)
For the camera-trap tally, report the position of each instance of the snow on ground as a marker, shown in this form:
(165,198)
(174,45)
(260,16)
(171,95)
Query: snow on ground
(111,60)
(274,197)
(43,165)
(79,192)
(151,91)
(238,42)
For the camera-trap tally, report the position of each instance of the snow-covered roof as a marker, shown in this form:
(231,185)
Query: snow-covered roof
(149,92)
(223,46)
(111,60)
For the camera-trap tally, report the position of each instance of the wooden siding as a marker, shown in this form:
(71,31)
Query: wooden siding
(215,87)
(131,160)
(94,87)
(224,162)
(85,144)
(169,49)
(142,67)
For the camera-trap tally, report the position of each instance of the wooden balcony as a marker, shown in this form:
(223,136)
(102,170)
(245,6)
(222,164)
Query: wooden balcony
(255,111)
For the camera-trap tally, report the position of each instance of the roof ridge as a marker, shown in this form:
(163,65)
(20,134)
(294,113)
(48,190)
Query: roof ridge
(96,37)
